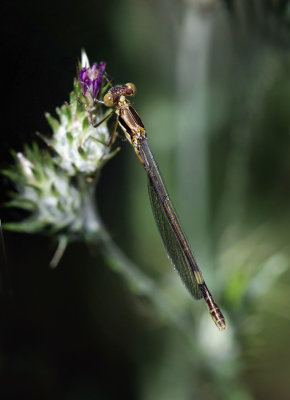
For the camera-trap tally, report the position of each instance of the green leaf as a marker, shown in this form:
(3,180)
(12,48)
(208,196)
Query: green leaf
(53,122)
(28,226)
(21,203)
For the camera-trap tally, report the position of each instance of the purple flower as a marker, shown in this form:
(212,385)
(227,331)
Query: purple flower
(91,78)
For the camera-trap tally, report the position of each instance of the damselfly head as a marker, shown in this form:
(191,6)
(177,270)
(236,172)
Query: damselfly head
(112,97)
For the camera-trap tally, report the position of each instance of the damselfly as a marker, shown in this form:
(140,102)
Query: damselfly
(174,240)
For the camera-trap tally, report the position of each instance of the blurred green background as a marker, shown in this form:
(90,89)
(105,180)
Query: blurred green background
(213,90)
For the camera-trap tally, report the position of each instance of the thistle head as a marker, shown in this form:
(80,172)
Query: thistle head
(56,186)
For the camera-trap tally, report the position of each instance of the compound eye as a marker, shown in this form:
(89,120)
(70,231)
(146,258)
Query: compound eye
(109,100)
(130,89)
